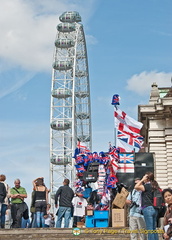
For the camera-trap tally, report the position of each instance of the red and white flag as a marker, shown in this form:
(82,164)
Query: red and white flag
(82,147)
(126,168)
(125,123)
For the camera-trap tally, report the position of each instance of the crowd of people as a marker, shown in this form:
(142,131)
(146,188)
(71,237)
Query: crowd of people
(14,208)
(142,213)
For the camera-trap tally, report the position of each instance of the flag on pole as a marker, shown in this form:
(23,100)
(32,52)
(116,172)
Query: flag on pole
(125,121)
(134,140)
(114,152)
(125,147)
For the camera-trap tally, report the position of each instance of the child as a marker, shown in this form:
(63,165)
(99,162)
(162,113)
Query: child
(49,217)
(79,203)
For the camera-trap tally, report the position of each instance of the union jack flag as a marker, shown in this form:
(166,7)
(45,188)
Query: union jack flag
(114,164)
(80,168)
(133,140)
(124,147)
(126,168)
(114,151)
(126,157)
(81,149)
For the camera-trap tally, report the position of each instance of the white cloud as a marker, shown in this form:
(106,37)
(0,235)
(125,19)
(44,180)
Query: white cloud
(28,30)
(141,83)
(91,40)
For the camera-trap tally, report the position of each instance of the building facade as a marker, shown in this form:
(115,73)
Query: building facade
(156,117)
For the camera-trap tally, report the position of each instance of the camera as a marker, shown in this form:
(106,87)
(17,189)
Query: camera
(133,204)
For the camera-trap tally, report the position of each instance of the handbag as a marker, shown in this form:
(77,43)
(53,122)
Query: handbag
(25,211)
(161,211)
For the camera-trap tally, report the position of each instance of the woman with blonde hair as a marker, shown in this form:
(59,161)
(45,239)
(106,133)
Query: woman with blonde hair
(40,200)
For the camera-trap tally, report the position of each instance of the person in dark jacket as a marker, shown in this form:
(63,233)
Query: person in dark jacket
(3,194)
(65,195)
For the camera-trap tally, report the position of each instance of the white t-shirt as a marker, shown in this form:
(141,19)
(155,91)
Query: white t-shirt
(79,204)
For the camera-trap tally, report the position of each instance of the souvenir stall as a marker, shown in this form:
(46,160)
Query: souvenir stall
(105,178)
(96,179)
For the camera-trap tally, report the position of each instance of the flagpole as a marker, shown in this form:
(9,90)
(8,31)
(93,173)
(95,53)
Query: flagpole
(115,102)
(115,130)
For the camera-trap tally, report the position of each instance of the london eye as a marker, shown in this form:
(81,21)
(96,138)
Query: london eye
(70,110)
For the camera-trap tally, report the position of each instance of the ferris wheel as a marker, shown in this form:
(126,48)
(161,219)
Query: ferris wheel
(70,116)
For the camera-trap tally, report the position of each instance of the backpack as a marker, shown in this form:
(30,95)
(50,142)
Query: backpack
(158,200)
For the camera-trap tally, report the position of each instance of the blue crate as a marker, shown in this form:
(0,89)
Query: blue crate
(89,221)
(98,214)
(101,223)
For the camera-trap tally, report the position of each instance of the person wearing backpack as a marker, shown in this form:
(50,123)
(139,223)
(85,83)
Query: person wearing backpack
(148,185)
(136,219)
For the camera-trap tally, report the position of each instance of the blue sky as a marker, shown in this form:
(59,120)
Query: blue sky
(128,45)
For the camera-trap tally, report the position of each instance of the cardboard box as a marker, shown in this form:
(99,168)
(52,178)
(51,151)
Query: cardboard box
(120,198)
(80,224)
(89,212)
(119,217)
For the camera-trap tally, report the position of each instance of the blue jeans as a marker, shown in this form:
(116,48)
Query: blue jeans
(33,222)
(3,211)
(40,221)
(66,213)
(150,216)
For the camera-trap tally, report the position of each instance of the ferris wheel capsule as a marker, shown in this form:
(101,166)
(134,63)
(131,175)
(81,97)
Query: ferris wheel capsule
(61,93)
(63,65)
(70,17)
(60,124)
(60,160)
(81,94)
(64,43)
(82,115)
(84,138)
(80,73)
(66,27)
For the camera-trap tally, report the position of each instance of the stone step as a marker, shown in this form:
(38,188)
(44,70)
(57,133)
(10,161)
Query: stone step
(66,234)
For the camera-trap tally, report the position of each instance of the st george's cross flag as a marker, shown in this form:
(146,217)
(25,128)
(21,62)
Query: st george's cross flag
(126,168)
(125,123)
